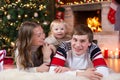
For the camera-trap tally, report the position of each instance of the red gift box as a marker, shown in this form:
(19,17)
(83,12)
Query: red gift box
(8,60)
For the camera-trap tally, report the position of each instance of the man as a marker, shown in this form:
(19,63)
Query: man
(80,56)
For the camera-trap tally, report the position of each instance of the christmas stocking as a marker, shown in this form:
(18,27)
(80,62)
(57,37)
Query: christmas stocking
(112,11)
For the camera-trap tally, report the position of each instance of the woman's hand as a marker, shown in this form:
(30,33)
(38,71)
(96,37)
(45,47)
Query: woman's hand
(43,68)
(91,74)
(61,69)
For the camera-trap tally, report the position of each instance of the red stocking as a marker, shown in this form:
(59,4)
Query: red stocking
(111,13)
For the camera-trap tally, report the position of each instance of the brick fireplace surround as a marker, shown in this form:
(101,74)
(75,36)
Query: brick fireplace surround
(108,38)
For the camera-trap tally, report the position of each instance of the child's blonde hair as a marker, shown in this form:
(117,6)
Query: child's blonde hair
(57,22)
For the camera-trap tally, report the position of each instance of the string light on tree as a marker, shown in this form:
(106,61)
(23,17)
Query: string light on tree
(8,16)
(19,16)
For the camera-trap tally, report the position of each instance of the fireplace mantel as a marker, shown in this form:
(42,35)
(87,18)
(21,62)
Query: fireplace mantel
(87,6)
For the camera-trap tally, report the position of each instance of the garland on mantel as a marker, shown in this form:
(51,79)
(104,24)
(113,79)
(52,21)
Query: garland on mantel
(76,2)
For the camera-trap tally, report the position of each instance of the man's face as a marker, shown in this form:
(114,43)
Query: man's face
(80,44)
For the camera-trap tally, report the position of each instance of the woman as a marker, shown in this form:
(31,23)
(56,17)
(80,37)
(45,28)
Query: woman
(32,53)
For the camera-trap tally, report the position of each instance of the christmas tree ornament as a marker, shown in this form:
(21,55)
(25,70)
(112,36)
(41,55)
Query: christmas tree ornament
(60,13)
(35,14)
(57,1)
(59,10)
(8,16)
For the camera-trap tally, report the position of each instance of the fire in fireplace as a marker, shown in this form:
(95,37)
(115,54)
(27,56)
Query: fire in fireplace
(91,18)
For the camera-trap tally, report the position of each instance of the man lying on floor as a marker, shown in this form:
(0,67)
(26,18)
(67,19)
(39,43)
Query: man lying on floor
(80,56)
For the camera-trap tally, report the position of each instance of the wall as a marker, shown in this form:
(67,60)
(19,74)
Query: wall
(108,38)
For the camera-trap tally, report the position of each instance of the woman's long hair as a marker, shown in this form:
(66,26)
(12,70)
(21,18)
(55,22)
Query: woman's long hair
(24,43)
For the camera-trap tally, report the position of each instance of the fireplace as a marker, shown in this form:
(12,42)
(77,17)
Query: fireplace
(92,18)
(108,37)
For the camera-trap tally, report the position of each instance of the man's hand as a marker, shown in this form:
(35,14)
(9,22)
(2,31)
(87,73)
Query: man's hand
(91,74)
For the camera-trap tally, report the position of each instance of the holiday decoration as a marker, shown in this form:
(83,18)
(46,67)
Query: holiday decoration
(59,10)
(112,12)
(14,12)
(2,55)
(76,2)
(35,14)
(57,1)
(60,13)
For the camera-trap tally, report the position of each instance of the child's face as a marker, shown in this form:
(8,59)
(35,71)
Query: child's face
(38,36)
(59,31)
(79,44)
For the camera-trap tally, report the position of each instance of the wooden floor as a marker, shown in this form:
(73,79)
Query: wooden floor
(114,64)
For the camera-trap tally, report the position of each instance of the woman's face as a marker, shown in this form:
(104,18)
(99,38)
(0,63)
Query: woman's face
(38,36)
(80,44)
(59,31)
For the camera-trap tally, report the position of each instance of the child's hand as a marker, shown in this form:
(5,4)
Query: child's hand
(61,69)
(53,48)
(43,68)
(91,74)
(47,51)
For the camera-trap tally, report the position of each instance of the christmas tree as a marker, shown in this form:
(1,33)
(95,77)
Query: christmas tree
(14,12)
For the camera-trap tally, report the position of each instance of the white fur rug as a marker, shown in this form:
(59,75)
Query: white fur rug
(14,74)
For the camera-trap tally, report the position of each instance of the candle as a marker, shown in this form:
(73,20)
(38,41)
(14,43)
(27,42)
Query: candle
(106,53)
(111,54)
(116,54)
(102,50)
